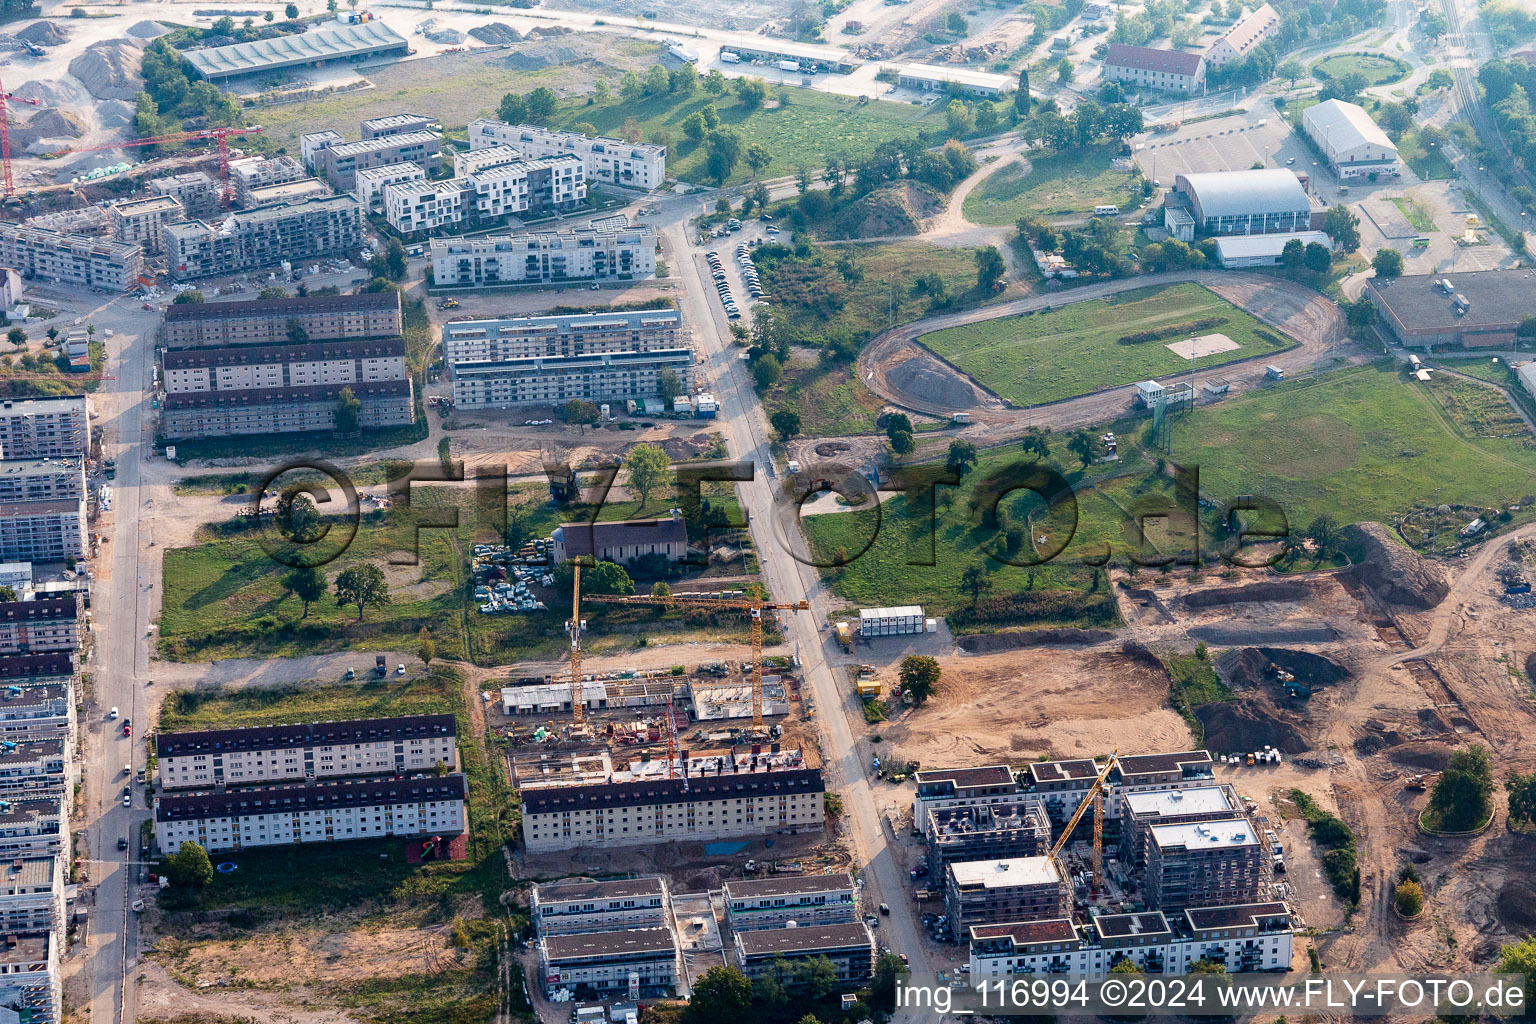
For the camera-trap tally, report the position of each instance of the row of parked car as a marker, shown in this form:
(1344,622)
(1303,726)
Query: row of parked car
(749,271)
(722,286)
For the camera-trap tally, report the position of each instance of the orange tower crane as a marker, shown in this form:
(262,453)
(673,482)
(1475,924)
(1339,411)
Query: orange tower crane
(574,627)
(5,134)
(219,135)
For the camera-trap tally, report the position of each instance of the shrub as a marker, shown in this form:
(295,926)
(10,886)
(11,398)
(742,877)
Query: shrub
(1408,898)
(1173,330)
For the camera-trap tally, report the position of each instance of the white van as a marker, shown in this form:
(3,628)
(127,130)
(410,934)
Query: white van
(1105,211)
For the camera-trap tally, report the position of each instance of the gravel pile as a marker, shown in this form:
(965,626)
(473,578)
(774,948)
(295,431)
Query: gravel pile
(496,34)
(148,30)
(109,70)
(44,33)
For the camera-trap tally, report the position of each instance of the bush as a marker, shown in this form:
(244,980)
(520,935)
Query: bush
(1330,832)
(1030,606)
(1173,330)
(1408,898)
(876,711)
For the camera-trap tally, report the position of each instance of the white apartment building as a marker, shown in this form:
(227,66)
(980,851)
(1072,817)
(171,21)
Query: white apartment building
(808,900)
(138,221)
(45,479)
(610,161)
(29,976)
(318,750)
(497,184)
(421,205)
(32,895)
(545,257)
(39,625)
(259,172)
(37,428)
(567,334)
(1239,41)
(30,712)
(32,769)
(312,812)
(601,963)
(33,826)
(71,259)
(42,531)
(370,182)
(580,906)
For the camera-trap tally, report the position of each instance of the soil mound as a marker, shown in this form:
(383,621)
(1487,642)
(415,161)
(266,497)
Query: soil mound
(496,34)
(446,35)
(927,378)
(1243,725)
(543,57)
(1517,903)
(1282,591)
(55,94)
(1248,668)
(1390,569)
(986,643)
(1421,755)
(109,70)
(897,209)
(148,30)
(48,124)
(43,33)
(1234,632)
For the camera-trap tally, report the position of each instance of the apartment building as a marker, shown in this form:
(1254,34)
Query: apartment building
(80,260)
(285,410)
(545,257)
(956,787)
(807,900)
(399,124)
(1147,67)
(257,172)
(38,428)
(609,161)
(850,948)
(600,357)
(32,768)
(737,800)
(263,237)
(197,193)
(32,826)
(42,531)
(39,625)
(31,712)
(138,221)
(1206,863)
(601,963)
(314,363)
(302,190)
(268,321)
(999,891)
(370,182)
(1171,807)
(33,669)
(29,976)
(312,812)
(315,750)
(45,479)
(1239,41)
(581,906)
(412,207)
(338,162)
(32,895)
(987,831)
(493,185)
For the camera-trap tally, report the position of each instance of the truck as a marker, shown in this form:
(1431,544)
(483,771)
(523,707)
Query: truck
(729,57)
(787,65)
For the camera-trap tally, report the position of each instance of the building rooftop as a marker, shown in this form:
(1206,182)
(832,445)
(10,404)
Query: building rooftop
(366,302)
(1496,298)
(894,612)
(40,467)
(39,609)
(366,391)
(791,885)
(805,939)
(335,42)
(1237,193)
(360,146)
(18,509)
(395,121)
(956,74)
(29,753)
(727,785)
(24,694)
(283,352)
(1249,246)
(785,48)
(28,952)
(105,247)
(562,323)
(146,204)
(1124,926)
(966,778)
(1149,764)
(38,810)
(589,538)
(1242,915)
(590,889)
(268,737)
(632,942)
(550,240)
(1064,771)
(1195,800)
(1146,58)
(308,796)
(52,404)
(1250,30)
(1054,929)
(27,874)
(29,666)
(390,173)
(600,143)
(1346,125)
(288,191)
(1223,834)
(998,874)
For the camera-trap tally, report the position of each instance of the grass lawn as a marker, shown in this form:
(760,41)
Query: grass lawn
(1076,349)
(1477,409)
(1058,183)
(812,127)
(1488,368)
(1428,164)
(1416,213)
(1377,69)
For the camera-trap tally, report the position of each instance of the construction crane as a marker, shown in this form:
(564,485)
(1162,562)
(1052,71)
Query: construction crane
(574,627)
(754,607)
(1094,796)
(5,134)
(220,135)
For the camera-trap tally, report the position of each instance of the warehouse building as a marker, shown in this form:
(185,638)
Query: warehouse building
(268,322)
(1353,144)
(582,906)
(1148,68)
(32,827)
(806,901)
(225,820)
(38,626)
(80,260)
(998,891)
(42,531)
(850,948)
(315,750)
(1234,252)
(603,963)
(52,427)
(32,711)
(1254,202)
(197,193)
(545,257)
(139,221)
(1205,863)
(810,58)
(370,182)
(1239,41)
(263,237)
(260,172)
(41,480)
(1476,310)
(606,161)
(950,78)
(352,43)
(621,541)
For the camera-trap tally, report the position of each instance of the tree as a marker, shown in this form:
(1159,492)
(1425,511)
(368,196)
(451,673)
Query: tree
(1126,966)
(1388,263)
(1294,254)
(296,332)
(580,412)
(758,158)
(694,127)
(1433,24)
(668,385)
(349,411)
(1206,966)
(882,987)
(1343,227)
(362,585)
(722,151)
(786,421)
(976,581)
(959,118)
(1064,71)
(596,577)
(1323,532)
(919,675)
(1394,118)
(1522,796)
(660,589)
(189,867)
(1035,442)
(298,519)
(962,457)
(989,269)
(16,336)
(1317,258)
(714,82)
(307,584)
(1358,315)
(1438,79)
(268,16)
(273,291)
(1463,798)
(629,86)
(1087,446)
(722,996)
(766,371)
(1021,96)
(1290,71)
(395,264)
(1408,897)
(542,103)
(649,467)
(657,80)
(1520,958)
(586,128)
(684,80)
(601,91)
(191,295)
(7,593)
(513,109)
(987,118)
(902,441)
(292,11)
(751,92)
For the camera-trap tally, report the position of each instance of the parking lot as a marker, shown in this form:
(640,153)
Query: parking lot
(1232,143)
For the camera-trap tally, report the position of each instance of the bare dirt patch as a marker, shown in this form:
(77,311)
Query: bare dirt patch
(1205,345)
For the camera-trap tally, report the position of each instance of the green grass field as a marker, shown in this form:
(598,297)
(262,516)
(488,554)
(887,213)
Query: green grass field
(1477,409)
(1055,183)
(1416,213)
(1075,350)
(1428,164)
(1377,69)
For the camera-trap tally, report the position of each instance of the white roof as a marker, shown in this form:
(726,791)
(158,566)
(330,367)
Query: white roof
(1228,833)
(993,874)
(1236,246)
(958,75)
(1345,126)
(904,611)
(1526,373)
(335,42)
(1233,193)
(1195,800)
(1149,386)
(543,694)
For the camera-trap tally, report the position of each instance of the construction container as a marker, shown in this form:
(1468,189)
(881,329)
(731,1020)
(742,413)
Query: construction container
(682,405)
(704,406)
(729,57)
(844,634)
(931,625)
(899,621)
(868,688)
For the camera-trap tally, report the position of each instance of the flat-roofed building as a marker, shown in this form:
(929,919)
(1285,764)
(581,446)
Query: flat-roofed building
(998,891)
(39,625)
(1171,807)
(32,894)
(30,712)
(807,900)
(1205,863)
(578,906)
(1048,946)
(338,162)
(1236,252)
(399,124)
(285,410)
(42,531)
(44,428)
(312,812)
(1245,36)
(32,826)
(365,361)
(545,257)
(499,185)
(28,669)
(1164,70)
(1062,785)
(949,77)
(296,191)
(1020,828)
(952,787)
(81,260)
(622,540)
(46,479)
(315,750)
(370,182)
(601,963)
(267,321)
(259,172)
(264,236)
(29,976)
(1241,937)
(1475,310)
(807,57)
(850,948)
(138,221)
(609,161)
(33,768)
(197,193)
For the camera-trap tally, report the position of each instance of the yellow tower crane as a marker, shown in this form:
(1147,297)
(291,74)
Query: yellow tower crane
(574,628)
(1095,797)
(754,607)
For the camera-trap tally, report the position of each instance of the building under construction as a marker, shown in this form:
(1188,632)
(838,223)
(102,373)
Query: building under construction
(986,832)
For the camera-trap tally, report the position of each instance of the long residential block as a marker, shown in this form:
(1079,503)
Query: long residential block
(281,365)
(32,894)
(579,906)
(38,428)
(30,712)
(33,768)
(312,812)
(32,826)
(850,948)
(601,963)
(610,161)
(80,260)
(544,257)
(269,321)
(42,531)
(806,900)
(263,237)
(338,162)
(29,976)
(44,479)
(317,750)
(491,186)
(284,410)
(39,625)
